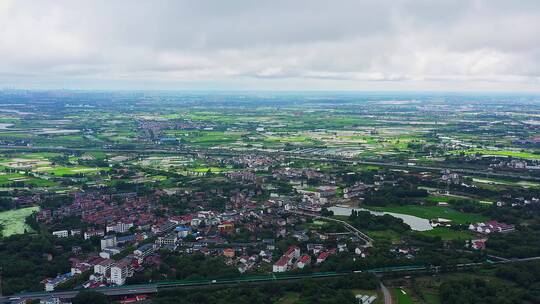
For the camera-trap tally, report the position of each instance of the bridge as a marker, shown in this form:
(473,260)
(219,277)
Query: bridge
(349,227)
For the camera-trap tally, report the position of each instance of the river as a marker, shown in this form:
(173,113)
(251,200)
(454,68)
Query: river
(416,223)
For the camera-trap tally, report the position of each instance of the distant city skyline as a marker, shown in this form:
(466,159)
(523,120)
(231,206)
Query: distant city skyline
(442,45)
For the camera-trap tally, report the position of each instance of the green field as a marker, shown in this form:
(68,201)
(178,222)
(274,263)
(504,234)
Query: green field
(6,179)
(212,169)
(432,212)
(509,153)
(386,235)
(447,234)
(61,171)
(13,221)
(401,297)
(432,298)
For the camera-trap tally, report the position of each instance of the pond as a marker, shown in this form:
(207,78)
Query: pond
(14,220)
(416,223)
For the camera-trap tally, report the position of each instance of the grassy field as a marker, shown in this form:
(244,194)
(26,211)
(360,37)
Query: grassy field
(289,298)
(432,212)
(401,296)
(13,220)
(6,179)
(447,234)
(212,169)
(432,298)
(61,171)
(387,235)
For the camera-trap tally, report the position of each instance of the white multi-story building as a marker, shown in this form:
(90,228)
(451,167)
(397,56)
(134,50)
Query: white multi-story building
(91,233)
(144,251)
(103,266)
(121,271)
(108,241)
(119,227)
(61,233)
(109,252)
(169,239)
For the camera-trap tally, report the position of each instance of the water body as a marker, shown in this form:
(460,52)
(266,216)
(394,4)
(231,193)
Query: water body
(56,131)
(14,220)
(15,111)
(416,223)
(5,126)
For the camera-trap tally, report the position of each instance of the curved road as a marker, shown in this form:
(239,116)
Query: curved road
(386,294)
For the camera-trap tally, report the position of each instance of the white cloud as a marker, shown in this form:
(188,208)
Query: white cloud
(310,44)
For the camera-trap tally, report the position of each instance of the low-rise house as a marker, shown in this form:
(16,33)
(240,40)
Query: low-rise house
(361,252)
(293,252)
(50,300)
(61,233)
(322,257)
(478,244)
(491,227)
(229,252)
(281,265)
(80,267)
(51,284)
(303,261)
(315,248)
(440,222)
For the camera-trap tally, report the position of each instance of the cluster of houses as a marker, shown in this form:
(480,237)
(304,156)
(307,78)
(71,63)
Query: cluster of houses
(484,229)
(104,268)
(256,162)
(491,227)
(116,211)
(127,218)
(519,202)
(294,259)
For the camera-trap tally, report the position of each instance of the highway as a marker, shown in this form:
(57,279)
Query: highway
(155,287)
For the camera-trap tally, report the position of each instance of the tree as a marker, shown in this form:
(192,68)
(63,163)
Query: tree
(90,297)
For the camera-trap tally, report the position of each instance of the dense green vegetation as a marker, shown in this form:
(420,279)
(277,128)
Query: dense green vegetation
(515,283)
(27,259)
(308,291)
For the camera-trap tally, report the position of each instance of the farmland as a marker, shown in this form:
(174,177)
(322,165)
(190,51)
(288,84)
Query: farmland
(245,178)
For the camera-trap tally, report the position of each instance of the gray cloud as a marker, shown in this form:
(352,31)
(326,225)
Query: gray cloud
(437,44)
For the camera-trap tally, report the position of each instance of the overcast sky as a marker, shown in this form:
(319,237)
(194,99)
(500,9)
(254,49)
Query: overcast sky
(289,45)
